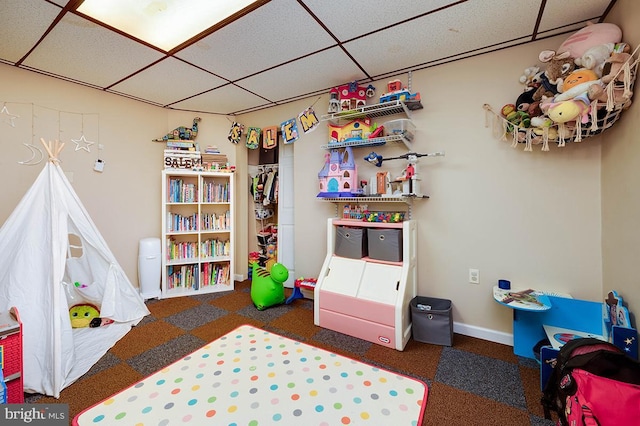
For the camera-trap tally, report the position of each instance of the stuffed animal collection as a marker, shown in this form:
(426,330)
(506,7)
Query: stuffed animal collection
(590,74)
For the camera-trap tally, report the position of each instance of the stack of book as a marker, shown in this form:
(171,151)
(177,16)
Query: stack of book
(212,155)
(181,154)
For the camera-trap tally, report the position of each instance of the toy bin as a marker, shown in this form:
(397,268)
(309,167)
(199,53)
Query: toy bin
(385,244)
(401,127)
(431,320)
(351,242)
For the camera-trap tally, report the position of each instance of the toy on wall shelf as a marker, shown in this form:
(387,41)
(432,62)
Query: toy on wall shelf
(181,133)
(397,92)
(339,176)
(349,96)
(267,287)
(409,177)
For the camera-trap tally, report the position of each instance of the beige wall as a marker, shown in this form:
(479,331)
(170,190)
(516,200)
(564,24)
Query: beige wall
(534,218)
(620,173)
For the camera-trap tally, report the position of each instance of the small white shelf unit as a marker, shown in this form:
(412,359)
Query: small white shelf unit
(368,298)
(198,232)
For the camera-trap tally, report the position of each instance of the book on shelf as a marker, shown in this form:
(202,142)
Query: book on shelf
(181,145)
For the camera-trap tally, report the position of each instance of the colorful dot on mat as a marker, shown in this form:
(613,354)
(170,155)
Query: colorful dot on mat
(359,373)
(350,386)
(393,393)
(322,366)
(306,369)
(139,424)
(317,358)
(344,374)
(273,387)
(187,418)
(205,356)
(333,390)
(291,385)
(237,370)
(303,359)
(268,347)
(234,394)
(357,400)
(403,407)
(199,375)
(237,359)
(120,416)
(295,397)
(375,396)
(337,363)
(271,364)
(254,378)
(175,391)
(220,362)
(253,423)
(232,408)
(297,412)
(409,391)
(337,405)
(185,367)
(275,401)
(326,377)
(192,402)
(310,380)
(178,380)
(147,409)
(271,374)
(235,381)
(132,398)
(202,365)
(212,399)
(383,380)
(210,413)
(253,368)
(169,406)
(366,383)
(253,391)
(139,385)
(153,395)
(385,412)
(319,408)
(98,419)
(277,417)
(313,392)
(364,415)
(345,420)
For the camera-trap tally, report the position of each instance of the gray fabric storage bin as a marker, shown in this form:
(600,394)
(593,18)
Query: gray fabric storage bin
(351,242)
(432,325)
(385,244)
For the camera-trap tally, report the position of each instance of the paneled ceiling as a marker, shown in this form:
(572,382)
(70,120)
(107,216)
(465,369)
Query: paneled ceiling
(281,51)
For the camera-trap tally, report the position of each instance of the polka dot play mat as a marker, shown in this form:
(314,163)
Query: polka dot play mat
(251,377)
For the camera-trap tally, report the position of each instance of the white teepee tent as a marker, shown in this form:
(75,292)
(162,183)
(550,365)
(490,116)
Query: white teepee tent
(38,267)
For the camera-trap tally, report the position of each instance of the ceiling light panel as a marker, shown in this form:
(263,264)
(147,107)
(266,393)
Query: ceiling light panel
(162,23)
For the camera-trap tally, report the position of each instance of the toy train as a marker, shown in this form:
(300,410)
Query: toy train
(396,92)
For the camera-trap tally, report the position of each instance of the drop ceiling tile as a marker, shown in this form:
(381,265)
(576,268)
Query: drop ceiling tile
(558,14)
(440,35)
(224,100)
(83,51)
(22,23)
(277,32)
(308,75)
(354,18)
(168,81)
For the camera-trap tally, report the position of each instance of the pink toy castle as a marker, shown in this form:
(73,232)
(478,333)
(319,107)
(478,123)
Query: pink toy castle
(339,176)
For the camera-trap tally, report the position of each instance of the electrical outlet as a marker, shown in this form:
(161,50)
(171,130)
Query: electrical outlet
(474,276)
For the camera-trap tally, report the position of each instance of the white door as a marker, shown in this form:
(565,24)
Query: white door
(286,224)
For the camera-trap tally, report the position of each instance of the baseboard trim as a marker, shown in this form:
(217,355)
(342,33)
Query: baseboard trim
(483,333)
(239,277)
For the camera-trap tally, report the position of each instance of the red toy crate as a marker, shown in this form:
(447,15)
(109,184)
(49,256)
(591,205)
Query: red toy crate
(11,355)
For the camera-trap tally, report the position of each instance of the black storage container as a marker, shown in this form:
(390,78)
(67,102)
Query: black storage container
(431,320)
(351,242)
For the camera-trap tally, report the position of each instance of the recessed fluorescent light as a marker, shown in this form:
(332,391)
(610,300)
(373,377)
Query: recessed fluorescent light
(162,23)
